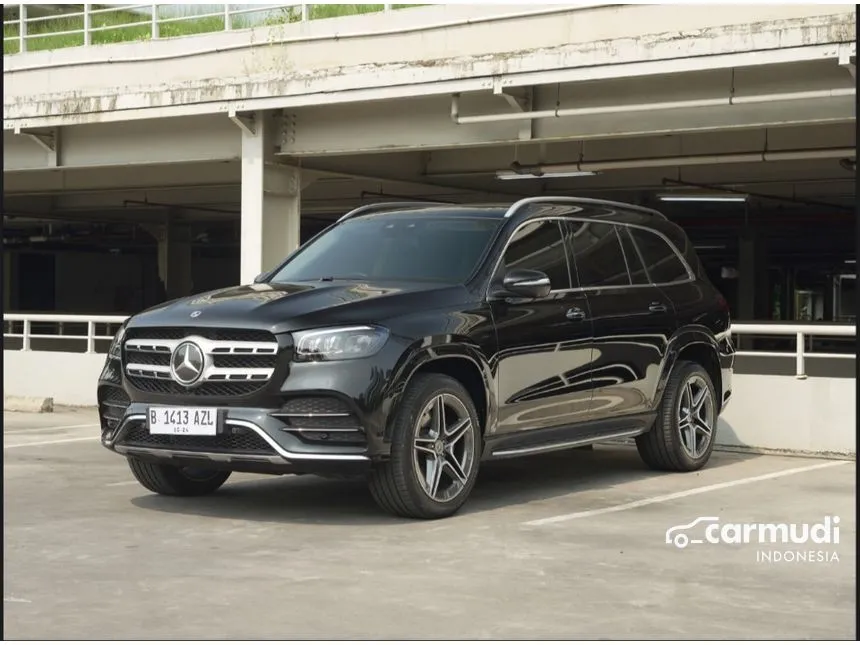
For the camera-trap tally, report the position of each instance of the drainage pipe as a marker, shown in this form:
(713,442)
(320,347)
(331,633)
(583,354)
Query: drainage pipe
(665,162)
(646,107)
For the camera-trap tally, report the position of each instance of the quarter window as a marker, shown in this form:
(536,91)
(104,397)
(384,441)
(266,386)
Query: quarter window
(538,246)
(662,263)
(597,254)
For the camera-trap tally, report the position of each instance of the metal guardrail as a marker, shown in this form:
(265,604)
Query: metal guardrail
(59,322)
(227,18)
(802,333)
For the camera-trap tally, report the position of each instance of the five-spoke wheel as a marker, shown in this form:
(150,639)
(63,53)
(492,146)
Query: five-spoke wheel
(696,416)
(444,447)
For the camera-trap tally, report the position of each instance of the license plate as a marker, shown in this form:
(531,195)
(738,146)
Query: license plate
(188,421)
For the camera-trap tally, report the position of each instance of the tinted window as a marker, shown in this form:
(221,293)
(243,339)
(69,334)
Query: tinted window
(638,275)
(395,246)
(660,260)
(597,254)
(538,246)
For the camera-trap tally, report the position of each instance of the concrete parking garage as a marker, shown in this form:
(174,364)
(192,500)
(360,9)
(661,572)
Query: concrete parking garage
(561,546)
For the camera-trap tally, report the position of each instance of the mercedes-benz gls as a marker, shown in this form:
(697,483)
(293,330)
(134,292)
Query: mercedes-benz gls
(412,342)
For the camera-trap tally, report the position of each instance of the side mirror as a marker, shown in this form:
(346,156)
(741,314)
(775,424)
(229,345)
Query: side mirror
(527,283)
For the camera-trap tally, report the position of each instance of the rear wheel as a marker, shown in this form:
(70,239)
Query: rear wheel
(178,481)
(683,435)
(435,451)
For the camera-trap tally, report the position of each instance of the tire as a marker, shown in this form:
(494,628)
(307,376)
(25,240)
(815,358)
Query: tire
(403,484)
(165,479)
(663,448)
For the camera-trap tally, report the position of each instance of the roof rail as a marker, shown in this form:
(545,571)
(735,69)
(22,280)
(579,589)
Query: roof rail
(369,208)
(578,200)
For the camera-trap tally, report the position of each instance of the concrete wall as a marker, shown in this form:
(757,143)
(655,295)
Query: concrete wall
(780,413)
(69,378)
(814,415)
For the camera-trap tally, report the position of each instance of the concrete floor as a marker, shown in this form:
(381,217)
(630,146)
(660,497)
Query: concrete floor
(566,545)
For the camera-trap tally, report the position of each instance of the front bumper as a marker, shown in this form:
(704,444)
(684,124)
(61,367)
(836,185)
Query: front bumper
(248,439)
(306,416)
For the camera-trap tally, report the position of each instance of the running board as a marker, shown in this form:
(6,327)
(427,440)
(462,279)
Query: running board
(570,443)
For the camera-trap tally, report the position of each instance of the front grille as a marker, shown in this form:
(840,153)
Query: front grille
(112,406)
(235,441)
(236,362)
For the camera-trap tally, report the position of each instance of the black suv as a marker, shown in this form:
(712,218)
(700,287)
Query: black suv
(410,342)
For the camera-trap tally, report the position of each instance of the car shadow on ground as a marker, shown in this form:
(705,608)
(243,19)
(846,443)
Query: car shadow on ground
(314,500)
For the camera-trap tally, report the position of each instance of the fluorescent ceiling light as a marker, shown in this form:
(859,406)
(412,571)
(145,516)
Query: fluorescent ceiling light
(850,261)
(509,174)
(699,197)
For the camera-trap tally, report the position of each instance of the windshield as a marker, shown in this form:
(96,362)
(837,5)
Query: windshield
(395,246)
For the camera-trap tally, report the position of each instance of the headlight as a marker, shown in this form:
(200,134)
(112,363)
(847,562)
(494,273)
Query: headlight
(115,350)
(339,343)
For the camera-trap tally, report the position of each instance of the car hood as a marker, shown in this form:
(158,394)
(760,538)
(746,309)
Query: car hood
(287,306)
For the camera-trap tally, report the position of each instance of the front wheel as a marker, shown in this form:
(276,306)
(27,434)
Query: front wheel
(177,481)
(435,451)
(682,438)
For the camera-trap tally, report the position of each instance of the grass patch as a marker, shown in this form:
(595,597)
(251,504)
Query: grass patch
(125,26)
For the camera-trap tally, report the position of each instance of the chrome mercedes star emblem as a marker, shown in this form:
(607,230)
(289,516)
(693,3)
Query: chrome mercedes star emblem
(194,314)
(187,363)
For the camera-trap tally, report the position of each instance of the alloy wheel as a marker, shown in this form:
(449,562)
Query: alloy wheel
(444,447)
(696,418)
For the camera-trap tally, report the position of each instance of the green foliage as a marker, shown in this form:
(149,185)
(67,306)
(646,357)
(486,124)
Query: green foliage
(125,26)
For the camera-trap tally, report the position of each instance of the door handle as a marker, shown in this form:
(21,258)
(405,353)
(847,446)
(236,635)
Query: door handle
(657,307)
(575,313)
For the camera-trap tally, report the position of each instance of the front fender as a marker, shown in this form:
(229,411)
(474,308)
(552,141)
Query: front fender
(427,351)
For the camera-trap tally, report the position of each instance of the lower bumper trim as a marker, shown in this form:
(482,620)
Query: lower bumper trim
(282,456)
(194,454)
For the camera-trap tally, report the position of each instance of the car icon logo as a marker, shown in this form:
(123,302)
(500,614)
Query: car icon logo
(194,314)
(677,535)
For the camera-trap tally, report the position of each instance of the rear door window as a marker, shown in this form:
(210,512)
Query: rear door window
(638,274)
(597,254)
(663,264)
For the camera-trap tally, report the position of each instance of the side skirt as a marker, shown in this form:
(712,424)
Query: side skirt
(537,441)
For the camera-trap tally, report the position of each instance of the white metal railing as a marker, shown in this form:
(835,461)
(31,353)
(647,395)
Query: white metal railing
(146,18)
(802,334)
(108,325)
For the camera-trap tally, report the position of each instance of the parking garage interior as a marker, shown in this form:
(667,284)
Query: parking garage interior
(775,230)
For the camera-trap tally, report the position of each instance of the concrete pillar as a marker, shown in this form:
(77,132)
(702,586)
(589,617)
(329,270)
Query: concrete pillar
(754,296)
(271,201)
(174,258)
(7,281)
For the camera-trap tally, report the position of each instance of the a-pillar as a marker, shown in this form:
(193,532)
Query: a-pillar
(754,295)
(271,199)
(174,258)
